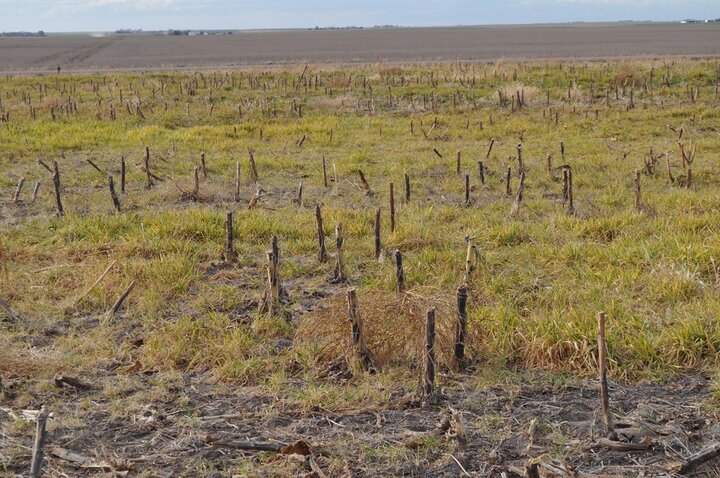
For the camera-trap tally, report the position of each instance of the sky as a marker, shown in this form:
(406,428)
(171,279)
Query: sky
(110,15)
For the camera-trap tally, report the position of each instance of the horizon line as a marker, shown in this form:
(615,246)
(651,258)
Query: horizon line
(372,27)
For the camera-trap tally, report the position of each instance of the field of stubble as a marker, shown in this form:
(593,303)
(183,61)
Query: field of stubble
(192,374)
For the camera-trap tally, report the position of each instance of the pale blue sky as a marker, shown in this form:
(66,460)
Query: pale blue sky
(104,15)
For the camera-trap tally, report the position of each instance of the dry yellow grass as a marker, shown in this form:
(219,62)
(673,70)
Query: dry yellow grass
(393,326)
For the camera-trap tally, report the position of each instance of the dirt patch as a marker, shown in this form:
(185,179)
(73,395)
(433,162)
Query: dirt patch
(186,425)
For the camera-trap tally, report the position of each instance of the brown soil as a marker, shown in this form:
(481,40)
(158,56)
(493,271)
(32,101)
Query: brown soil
(121,427)
(488,43)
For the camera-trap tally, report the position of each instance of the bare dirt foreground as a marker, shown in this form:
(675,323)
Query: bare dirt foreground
(360,46)
(536,426)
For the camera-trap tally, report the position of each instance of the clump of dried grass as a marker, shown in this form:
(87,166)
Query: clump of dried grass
(387,70)
(627,76)
(527,93)
(393,326)
(576,94)
(346,102)
(21,363)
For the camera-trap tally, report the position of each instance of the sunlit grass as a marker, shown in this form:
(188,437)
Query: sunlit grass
(544,274)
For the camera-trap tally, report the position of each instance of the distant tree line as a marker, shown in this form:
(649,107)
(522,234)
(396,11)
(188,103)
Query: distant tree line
(23,34)
(351,27)
(694,20)
(172,32)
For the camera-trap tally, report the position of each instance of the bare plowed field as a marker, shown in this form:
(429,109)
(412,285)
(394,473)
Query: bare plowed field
(360,46)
